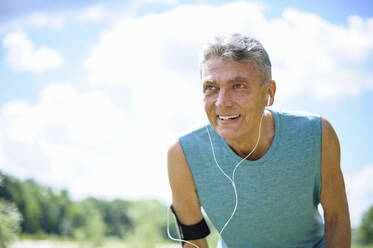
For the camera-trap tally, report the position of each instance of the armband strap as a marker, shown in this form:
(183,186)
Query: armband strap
(192,232)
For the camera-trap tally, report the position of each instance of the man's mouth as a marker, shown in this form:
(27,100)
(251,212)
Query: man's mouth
(228,117)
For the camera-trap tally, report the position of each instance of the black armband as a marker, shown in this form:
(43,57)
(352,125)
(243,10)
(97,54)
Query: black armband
(192,232)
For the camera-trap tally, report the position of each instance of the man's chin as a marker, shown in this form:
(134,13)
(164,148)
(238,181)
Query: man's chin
(227,133)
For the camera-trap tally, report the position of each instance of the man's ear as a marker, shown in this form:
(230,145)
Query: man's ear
(271,92)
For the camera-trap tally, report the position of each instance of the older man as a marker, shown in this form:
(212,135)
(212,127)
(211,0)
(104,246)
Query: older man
(258,173)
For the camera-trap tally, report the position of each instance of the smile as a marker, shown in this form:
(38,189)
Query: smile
(228,117)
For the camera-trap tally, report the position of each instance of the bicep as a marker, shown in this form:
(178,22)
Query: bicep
(333,194)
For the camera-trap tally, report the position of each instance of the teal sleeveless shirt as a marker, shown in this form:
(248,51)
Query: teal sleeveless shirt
(278,194)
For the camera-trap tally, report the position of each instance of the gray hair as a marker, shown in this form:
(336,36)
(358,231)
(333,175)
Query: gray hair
(239,47)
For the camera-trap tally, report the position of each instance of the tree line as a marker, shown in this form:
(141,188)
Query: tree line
(40,211)
(28,208)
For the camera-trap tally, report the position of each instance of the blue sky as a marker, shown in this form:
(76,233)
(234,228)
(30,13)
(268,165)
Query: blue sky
(92,93)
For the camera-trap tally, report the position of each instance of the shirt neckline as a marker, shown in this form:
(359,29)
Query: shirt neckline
(262,159)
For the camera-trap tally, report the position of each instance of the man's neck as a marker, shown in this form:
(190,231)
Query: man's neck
(267,131)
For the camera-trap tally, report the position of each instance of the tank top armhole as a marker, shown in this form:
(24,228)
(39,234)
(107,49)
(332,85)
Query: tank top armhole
(318,167)
(183,141)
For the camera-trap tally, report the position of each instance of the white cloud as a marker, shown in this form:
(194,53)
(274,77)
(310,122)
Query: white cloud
(82,141)
(66,138)
(360,193)
(95,13)
(313,56)
(310,56)
(170,2)
(39,20)
(22,55)
(36,21)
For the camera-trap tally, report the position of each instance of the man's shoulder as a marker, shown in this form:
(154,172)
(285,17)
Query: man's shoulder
(188,145)
(297,117)
(298,121)
(195,133)
(297,114)
(195,140)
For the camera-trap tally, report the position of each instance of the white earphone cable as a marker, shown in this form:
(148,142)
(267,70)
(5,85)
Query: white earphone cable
(169,235)
(229,178)
(234,171)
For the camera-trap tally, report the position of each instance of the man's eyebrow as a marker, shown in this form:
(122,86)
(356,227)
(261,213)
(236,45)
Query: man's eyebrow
(209,81)
(238,79)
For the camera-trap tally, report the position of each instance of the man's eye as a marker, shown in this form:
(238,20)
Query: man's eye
(238,86)
(210,87)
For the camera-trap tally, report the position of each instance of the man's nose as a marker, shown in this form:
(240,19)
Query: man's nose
(224,99)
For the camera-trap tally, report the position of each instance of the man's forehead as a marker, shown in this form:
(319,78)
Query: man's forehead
(224,70)
(228,75)
(221,65)
(214,62)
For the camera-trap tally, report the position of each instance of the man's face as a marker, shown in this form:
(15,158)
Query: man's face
(234,98)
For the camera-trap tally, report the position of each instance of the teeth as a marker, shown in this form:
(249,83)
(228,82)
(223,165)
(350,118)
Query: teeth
(227,117)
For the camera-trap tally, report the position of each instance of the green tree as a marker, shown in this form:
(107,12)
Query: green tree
(10,220)
(93,229)
(366,227)
(149,218)
(26,196)
(115,214)
(55,208)
(74,218)
(45,211)
(32,207)
(118,219)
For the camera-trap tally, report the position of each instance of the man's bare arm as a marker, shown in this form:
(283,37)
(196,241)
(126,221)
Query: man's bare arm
(184,196)
(333,193)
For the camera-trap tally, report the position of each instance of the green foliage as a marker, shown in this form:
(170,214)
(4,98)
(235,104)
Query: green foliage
(150,224)
(366,227)
(115,215)
(10,220)
(39,212)
(93,228)
(32,207)
(74,218)
(54,209)
(47,213)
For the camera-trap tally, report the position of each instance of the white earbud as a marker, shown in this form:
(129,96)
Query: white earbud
(269,100)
